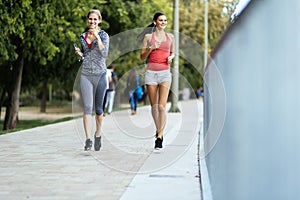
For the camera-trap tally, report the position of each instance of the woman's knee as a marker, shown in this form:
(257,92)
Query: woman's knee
(154,107)
(99,111)
(88,110)
(161,108)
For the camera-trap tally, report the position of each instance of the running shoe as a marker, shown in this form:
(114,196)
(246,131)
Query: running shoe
(158,143)
(97,143)
(88,145)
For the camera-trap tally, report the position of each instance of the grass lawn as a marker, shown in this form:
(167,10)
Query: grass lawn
(27,124)
(30,117)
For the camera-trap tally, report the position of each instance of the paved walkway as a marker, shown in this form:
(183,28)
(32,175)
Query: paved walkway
(49,162)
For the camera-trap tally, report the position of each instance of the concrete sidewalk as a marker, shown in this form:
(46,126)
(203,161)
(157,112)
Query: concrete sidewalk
(49,162)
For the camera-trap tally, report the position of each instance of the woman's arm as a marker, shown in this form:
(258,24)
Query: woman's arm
(172,49)
(103,44)
(78,52)
(100,43)
(147,48)
(96,33)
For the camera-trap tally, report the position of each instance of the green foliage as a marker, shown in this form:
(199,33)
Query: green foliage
(192,22)
(138,14)
(46,30)
(219,13)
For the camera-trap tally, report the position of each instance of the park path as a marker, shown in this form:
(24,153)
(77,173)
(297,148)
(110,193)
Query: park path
(48,162)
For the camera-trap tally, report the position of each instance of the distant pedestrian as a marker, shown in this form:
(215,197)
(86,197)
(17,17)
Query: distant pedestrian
(111,91)
(93,81)
(186,94)
(199,93)
(134,90)
(108,79)
(158,49)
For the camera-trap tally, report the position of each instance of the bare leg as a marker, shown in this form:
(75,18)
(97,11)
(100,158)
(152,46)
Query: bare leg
(155,114)
(152,94)
(87,123)
(98,124)
(162,101)
(158,96)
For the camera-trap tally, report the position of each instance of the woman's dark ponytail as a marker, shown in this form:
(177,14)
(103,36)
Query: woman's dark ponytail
(150,28)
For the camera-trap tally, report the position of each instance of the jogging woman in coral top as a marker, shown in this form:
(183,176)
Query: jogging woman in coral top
(158,49)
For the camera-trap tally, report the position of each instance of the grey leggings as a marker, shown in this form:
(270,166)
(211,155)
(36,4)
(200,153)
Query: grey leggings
(93,88)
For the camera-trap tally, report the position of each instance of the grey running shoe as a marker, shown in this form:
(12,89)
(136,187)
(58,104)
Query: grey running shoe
(88,145)
(97,143)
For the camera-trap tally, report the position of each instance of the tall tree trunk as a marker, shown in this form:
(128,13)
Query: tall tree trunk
(44,96)
(2,99)
(12,108)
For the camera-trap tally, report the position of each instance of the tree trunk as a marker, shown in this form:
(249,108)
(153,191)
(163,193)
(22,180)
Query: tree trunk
(44,97)
(12,108)
(2,99)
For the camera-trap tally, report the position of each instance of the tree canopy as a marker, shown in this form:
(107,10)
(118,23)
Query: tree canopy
(37,37)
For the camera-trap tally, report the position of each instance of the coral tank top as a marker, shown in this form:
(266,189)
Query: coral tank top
(158,58)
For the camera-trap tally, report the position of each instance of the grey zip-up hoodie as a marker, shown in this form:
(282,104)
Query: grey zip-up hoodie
(94,62)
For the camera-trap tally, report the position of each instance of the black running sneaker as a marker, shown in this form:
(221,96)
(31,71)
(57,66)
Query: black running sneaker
(158,143)
(97,143)
(88,145)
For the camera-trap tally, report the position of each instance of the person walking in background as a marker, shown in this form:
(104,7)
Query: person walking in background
(108,79)
(111,91)
(199,93)
(133,89)
(93,81)
(158,49)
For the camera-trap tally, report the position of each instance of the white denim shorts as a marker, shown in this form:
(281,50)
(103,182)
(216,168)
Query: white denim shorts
(157,77)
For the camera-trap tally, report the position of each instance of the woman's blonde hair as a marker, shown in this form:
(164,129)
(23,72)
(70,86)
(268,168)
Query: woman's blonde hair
(96,12)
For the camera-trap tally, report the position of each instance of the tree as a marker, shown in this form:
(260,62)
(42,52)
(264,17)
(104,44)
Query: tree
(130,15)
(138,14)
(35,33)
(37,38)
(14,33)
(192,24)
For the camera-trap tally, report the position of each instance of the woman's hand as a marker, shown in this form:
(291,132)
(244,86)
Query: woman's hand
(78,52)
(157,44)
(170,59)
(95,32)
(154,46)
